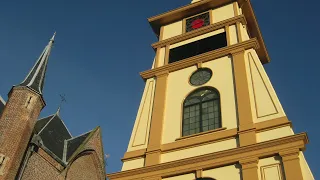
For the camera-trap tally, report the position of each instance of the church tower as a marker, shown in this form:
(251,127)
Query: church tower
(209,110)
(19,116)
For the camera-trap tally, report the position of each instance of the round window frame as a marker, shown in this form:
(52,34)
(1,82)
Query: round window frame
(196,71)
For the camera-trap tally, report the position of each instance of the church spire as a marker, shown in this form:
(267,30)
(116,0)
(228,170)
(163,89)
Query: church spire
(35,78)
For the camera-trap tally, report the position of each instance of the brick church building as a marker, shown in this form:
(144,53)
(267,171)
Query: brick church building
(32,148)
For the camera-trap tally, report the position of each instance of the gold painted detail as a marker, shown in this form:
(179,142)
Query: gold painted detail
(154,144)
(225,51)
(250,168)
(201,133)
(198,32)
(210,137)
(247,133)
(217,159)
(183,12)
(291,163)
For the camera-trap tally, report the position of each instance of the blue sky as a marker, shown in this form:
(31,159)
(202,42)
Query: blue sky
(101,46)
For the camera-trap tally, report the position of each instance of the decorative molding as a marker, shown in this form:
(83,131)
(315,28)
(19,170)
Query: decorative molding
(277,166)
(183,12)
(225,51)
(155,132)
(201,133)
(272,124)
(210,137)
(249,163)
(200,31)
(199,173)
(212,160)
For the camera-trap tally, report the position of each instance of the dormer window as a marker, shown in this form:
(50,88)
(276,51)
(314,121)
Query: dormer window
(197,22)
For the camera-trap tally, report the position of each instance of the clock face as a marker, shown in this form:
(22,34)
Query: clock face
(200,77)
(197,22)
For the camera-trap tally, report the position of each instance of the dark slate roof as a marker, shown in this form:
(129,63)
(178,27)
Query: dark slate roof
(2,104)
(74,143)
(41,123)
(35,78)
(56,139)
(53,133)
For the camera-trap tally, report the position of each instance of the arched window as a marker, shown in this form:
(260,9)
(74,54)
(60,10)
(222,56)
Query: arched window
(201,111)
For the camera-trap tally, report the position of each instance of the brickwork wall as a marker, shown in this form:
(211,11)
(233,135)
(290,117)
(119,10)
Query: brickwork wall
(16,124)
(39,169)
(50,160)
(84,168)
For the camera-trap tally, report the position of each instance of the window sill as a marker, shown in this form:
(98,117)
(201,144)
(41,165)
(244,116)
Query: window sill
(202,133)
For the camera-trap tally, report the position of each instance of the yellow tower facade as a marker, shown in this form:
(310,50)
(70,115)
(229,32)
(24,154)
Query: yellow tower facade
(209,110)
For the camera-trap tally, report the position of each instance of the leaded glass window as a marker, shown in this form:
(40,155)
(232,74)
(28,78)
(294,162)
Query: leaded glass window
(201,111)
(197,22)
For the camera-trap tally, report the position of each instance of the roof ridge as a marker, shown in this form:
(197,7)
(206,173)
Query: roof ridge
(84,142)
(46,124)
(75,137)
(45,117)
(2,100)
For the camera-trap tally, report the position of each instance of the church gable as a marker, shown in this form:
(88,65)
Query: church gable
(53,135)
(85,166)
(87,161)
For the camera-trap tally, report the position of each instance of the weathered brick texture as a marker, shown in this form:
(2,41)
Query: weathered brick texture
(39,169)
(16,124)
(84,168)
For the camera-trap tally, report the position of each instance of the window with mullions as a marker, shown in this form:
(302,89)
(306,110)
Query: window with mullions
(201,111)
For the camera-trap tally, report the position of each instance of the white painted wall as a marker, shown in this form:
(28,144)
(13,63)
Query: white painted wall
(198,150)
(270,169)
(140,133)
(171,30)
(133,164)
(222,13)
(190,176)
(231,172)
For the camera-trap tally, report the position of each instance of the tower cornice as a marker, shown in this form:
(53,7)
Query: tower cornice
(198,32)
(216,159)
(252,43)
(185,11)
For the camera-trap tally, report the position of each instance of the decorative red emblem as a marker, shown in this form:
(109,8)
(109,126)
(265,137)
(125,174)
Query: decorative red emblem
(198,23)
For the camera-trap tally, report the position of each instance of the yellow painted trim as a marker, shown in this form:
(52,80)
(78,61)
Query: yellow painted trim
(210,137)
(198,32)
(228,35)
(225,51)
(247,134)
(217,159)
(154,144)
(175,15)
(291,163)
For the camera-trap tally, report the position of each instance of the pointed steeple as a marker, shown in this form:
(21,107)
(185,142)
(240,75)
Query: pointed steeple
(35,78)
